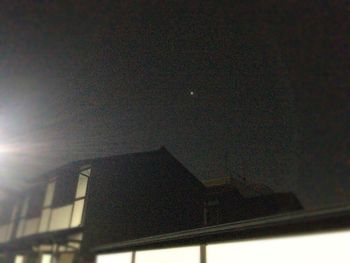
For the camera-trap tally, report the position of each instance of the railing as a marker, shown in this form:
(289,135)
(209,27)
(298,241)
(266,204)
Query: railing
(314,236)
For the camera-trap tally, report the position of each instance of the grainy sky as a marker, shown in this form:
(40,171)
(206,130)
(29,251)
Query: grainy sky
(249,90)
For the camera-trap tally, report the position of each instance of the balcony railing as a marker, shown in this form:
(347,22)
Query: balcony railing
(314,236)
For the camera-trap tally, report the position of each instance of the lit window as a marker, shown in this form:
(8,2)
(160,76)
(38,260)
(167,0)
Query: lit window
(20,228)
(3,233)
(44,221)
(77,213)
(60,218)
(171,255)
(25,207)
(46,258)
(115,258)
(49,194)
(19,259)
(14,212)
(9,231)
(330,247)
(31,226)
(82,186)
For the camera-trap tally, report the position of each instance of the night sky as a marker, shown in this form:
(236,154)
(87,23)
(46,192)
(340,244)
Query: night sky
(257,91)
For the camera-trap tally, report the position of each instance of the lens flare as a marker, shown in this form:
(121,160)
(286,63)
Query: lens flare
(4,148)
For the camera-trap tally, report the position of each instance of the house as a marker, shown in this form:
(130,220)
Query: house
(84,204)
(92,202)
(230,200)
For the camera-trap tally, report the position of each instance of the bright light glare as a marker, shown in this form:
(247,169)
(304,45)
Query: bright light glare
(320,248)
(114,258)
(171,255)
(7,148)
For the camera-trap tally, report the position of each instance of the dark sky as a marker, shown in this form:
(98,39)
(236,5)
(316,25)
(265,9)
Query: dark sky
(81,79)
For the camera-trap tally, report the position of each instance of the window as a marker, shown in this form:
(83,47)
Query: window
(14,212)
(7,235)
(9,231)
(60,218)
(44,221)
(19,259)
(77,213)
(115,258)
(54,215)
(35,203)
(3,233)
(46,211)
(46,258)
(65,188)
(170,255)
(31,226)
(82,186)
(22,217)
(86,171)
(20,228)
(80,195)
(325,247)
(5,221)
(25,206)
(50,190)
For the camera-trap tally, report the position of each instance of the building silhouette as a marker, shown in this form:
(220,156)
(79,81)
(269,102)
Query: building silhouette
(91,202)
(68,211)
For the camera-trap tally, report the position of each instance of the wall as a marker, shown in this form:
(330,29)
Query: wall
(140,195)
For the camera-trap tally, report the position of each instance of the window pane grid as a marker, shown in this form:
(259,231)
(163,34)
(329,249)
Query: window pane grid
(53,219)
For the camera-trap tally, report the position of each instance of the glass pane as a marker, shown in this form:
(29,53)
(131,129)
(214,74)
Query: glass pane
(60,218)
(115,258)
(82,186)
(3,233)
(49,194)
(330,247)
(20,228)
(19,259)
(25,205)
(44,221)
(86,172)
(31,226)
(171,255)
(9,231)
(77,213)
(46,258)
(14,211)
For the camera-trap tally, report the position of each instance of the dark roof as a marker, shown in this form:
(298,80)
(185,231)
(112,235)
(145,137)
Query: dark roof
(91,160)
(127,156)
